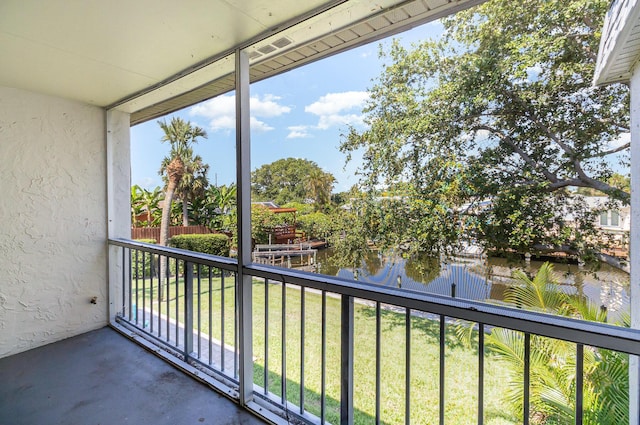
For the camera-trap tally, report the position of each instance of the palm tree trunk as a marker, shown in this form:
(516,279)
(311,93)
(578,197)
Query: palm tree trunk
(185,213)
(166,213)
(164,232)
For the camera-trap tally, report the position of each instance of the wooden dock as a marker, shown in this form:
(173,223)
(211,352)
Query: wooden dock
(286,255)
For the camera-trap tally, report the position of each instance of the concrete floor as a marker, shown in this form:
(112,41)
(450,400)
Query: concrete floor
(103,378)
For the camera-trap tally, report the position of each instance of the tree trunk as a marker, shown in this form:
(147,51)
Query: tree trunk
(174,170)
(185,213)
(166,213)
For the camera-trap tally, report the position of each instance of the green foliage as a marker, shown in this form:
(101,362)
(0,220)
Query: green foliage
(214,244)
(214,207)
(340,198)
(291,180)
(540,293)
(501,109)
(145,202)
(193,183)
(616,180)
(553,362)
(144,265)
(317,225)
(301,208)
(350,243)
(181,135)
(318,186)
(262,221)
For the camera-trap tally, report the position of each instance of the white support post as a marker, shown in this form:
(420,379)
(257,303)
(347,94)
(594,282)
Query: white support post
(243,173)
(634,245)
(118,203)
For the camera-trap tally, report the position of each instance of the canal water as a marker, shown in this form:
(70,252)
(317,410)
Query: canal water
(482,278)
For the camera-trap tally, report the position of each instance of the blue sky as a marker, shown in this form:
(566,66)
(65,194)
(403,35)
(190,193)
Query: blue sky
(299,114)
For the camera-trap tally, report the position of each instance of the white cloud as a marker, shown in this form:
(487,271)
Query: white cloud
(298,132)
(222,122)
(258,125)
(267,106)
(332,103)
(327,121)
(367,54)
(337,108)
(622,139)
(148,182)
(221,111)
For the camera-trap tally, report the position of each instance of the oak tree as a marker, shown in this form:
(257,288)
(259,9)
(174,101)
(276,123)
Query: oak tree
(491,128)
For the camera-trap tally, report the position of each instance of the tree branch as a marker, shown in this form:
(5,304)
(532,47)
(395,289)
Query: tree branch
(583,178)
(545,129)
(525,157)
(612,151)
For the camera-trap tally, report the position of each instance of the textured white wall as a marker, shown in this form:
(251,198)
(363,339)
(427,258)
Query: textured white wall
(53,252)
(119,196)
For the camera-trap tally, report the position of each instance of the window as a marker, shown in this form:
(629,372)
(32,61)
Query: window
(615,218)
(604,218)
(610,218)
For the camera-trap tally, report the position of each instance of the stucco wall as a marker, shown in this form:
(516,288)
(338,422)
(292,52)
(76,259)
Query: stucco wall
(53,252)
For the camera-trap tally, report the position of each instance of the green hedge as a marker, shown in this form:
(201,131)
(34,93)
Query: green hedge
(214,244)
(150,262)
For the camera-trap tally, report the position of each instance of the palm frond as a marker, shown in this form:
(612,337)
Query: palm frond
(541,293)
(464,332)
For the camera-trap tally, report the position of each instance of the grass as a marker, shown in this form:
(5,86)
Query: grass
(461,372)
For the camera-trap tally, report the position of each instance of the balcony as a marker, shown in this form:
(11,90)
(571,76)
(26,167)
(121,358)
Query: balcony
(103,377)
(192,320)
(287,346)
(296,345)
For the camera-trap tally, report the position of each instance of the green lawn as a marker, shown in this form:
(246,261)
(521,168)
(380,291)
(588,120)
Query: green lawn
(461,362)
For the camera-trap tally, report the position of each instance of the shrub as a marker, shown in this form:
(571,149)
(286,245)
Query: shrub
(214,244)
(317,225)
(147,264)
(262,221)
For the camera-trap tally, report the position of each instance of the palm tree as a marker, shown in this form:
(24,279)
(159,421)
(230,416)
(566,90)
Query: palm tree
(553,362)
(319,186)
(181,135)
(193,183)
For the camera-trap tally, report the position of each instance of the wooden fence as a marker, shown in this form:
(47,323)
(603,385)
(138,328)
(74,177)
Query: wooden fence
(154,232)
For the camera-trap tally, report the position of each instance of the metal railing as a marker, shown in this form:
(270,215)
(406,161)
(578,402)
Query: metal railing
(327,350)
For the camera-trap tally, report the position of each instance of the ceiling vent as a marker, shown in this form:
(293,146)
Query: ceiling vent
(267,49)
(282,42)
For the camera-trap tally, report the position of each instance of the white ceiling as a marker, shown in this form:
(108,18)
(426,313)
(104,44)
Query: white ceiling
(150,57)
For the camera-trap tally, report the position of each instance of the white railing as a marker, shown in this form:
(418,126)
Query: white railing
(312,359)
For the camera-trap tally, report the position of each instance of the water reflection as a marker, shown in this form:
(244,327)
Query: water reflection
(481,278)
